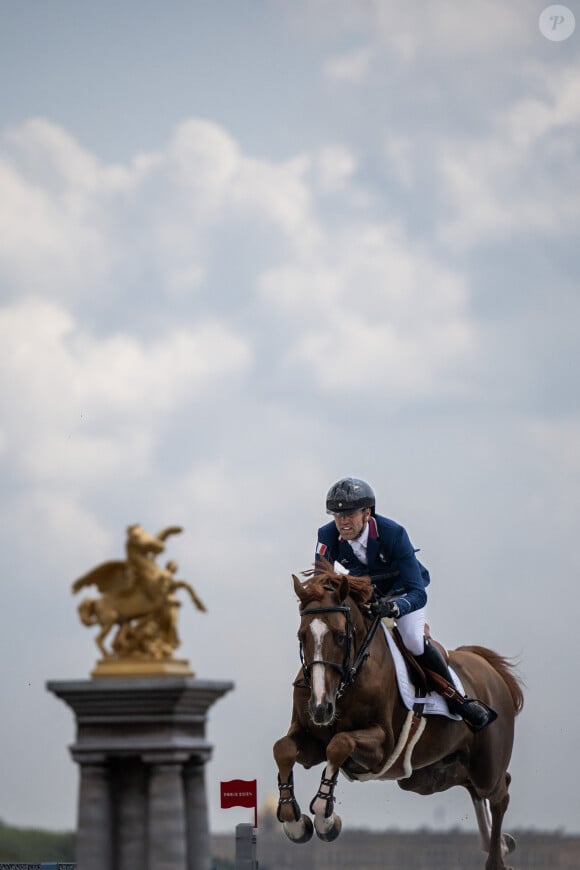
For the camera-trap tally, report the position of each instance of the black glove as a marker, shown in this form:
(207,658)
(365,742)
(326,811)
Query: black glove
(384,607)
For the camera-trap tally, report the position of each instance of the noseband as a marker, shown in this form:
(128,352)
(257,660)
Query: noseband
(347,671)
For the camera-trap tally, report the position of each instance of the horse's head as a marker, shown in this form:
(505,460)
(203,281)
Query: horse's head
(327,635)
(140,542)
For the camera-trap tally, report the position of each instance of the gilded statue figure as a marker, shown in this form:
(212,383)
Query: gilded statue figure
(138,598)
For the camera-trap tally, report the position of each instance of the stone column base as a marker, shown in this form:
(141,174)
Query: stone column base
(142,749)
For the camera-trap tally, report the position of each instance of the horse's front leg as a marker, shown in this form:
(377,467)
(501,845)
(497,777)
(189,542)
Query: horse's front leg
(297,826)
(367,745)
(101,637)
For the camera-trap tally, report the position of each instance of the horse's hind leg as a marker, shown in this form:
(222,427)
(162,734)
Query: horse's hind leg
(500,844)
(100,639)
(489,814)
(483,817)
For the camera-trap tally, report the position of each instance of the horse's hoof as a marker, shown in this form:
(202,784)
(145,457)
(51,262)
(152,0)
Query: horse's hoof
(333,832)
(300,831)
(509,843)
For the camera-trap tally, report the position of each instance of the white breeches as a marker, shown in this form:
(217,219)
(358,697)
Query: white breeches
(412,629)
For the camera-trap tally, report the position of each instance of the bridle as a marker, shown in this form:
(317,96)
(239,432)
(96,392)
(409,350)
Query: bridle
(346,670)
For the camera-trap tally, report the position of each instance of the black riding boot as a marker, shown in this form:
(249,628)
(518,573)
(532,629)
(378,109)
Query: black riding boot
(474,713)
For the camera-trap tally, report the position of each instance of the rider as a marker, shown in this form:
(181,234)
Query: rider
(365,543)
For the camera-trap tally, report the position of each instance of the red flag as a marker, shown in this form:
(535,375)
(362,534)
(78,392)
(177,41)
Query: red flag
(239,793)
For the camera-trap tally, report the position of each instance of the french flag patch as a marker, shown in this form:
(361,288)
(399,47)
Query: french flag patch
(321,549)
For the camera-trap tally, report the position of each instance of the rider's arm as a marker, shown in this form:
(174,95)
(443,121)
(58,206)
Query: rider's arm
(408,588)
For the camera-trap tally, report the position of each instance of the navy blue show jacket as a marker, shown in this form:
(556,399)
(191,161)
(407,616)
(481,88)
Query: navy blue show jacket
(392,566)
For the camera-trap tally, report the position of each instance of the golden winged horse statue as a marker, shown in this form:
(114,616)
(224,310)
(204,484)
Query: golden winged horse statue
(137,596)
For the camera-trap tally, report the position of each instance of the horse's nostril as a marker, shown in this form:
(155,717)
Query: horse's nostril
(323,713)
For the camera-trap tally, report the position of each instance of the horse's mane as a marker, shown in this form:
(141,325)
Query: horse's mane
(323,576)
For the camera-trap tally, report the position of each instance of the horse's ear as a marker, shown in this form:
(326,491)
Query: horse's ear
(343,589)
(298,588)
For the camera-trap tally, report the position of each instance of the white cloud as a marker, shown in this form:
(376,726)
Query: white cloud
(59,529)
(208,184)
(353,66)
(373,302)
(203,159)
(71,225)
(408,33)
(362,356)
(80,408)
(334,166)
(50,157)
(44,241)
(558,441)
(521,176)
(402,158)
(56,199)
(279,194)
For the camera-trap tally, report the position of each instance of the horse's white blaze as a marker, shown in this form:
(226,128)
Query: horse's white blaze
(319,630)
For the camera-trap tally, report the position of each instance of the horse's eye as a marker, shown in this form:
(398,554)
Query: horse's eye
(340,637)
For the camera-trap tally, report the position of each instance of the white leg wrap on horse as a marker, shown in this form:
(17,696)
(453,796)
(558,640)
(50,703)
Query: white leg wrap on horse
(321,822)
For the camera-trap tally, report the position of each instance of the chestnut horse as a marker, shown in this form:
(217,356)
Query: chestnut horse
(347,712)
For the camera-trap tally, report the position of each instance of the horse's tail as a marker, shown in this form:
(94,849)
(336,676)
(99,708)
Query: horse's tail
(505,668)
(86,611)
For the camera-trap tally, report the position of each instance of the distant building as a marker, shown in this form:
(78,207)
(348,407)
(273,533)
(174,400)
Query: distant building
(391,850)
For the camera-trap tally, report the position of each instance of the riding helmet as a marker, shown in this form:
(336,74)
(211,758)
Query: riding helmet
(349,494)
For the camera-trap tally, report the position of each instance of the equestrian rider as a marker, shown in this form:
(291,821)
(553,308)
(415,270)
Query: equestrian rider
(365,543)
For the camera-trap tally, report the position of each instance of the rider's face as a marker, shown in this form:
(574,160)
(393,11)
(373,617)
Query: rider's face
(351,523)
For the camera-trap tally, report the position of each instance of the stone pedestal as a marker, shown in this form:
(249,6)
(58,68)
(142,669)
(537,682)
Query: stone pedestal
(142,749)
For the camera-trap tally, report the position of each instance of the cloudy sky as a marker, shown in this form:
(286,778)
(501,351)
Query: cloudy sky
(249,247)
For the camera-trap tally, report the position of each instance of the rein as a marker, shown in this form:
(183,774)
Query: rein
(347,671)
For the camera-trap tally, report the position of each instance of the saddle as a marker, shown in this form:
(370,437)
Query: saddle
(424,679)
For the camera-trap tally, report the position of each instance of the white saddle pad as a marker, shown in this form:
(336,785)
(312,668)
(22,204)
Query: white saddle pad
(434,703)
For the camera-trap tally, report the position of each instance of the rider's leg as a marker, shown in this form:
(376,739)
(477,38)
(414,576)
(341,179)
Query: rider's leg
(475,713)
(412,630)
